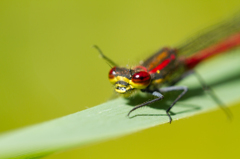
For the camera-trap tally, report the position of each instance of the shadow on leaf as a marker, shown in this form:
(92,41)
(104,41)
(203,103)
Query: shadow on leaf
(169,97)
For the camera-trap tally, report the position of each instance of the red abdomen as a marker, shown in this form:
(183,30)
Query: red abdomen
(218,48)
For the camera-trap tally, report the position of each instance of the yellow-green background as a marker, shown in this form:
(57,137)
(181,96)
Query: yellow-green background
(48,69)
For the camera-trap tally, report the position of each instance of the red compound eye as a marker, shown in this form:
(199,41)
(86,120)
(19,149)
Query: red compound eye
(112,73)
(141,77)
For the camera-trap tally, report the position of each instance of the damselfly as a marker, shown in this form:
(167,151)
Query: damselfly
(170,65)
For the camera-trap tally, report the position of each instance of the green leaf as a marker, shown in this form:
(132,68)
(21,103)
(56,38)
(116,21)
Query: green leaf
(109,120)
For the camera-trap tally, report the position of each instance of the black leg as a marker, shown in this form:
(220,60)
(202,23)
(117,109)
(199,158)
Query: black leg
(154,93)
(213,96)
(160,96)
(174,88)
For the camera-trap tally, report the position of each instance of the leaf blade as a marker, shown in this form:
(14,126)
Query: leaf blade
(109,120)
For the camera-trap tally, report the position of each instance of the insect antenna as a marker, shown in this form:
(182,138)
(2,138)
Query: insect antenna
(130,71)
(109,61)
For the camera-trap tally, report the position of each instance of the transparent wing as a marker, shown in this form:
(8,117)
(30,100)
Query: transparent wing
(211,36)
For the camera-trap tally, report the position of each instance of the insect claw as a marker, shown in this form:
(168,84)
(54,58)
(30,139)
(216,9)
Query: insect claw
(128,114)
(170,118)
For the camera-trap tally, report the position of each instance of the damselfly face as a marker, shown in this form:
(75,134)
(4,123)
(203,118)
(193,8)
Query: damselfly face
(127,80)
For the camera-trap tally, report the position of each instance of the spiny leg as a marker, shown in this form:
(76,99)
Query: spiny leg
(154,93)
(184,89)
(206,88)
(214,96)
(160,96)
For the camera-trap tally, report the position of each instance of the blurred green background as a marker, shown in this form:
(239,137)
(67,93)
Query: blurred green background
(49,69)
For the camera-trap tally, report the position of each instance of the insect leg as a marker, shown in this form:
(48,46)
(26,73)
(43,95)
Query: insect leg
(184,89)
(154,93)
(213,95)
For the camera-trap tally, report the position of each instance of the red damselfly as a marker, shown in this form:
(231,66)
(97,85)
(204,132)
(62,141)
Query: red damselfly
(170,65)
